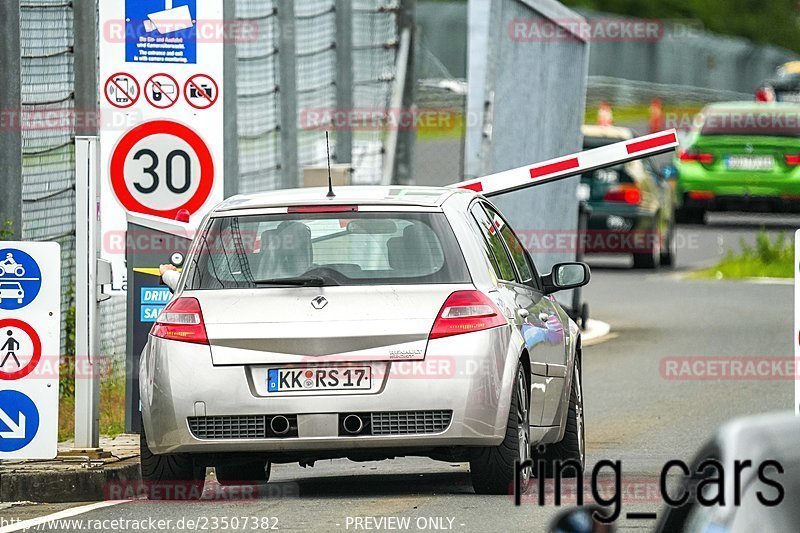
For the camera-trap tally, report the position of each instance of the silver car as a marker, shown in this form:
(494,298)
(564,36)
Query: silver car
(384,322)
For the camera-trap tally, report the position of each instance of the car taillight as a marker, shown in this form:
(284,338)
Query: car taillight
(626,194)
(704,158)
(465,312)
(701,195)
(793,160)
(765,94)
(181,320)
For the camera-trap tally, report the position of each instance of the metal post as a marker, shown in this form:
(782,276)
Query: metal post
(404,155)
(230,117)
(87,363)
(395,106)
(287,94)
(85,69)
(10,115)
(344,76)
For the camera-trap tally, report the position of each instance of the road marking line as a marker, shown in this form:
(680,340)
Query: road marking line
(67,513)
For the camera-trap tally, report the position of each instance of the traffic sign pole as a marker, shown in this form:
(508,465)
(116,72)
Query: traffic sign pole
(87,375)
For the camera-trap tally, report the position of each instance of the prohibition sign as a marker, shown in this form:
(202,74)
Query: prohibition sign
(122,90)
(161,91)
(201,91)
(200,158)
(37,348)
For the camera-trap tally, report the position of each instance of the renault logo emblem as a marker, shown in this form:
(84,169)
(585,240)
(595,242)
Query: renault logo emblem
(319,302)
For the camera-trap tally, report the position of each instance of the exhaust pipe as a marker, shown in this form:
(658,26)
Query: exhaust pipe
(279,425)
(353,424)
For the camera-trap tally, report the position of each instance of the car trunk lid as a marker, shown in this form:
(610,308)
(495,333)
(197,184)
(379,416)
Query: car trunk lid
(293,325)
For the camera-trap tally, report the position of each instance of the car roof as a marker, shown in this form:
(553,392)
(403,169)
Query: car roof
(753,107)
(607,132)
(345,195)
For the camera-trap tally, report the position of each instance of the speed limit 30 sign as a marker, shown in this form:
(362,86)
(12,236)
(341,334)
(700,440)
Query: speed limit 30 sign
(161,167)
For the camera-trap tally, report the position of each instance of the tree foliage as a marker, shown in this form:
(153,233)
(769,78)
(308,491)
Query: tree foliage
(763,21)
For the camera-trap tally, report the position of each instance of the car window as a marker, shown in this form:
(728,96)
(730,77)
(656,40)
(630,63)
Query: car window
(484,244)
(518,254)
(505,271)
(359,248)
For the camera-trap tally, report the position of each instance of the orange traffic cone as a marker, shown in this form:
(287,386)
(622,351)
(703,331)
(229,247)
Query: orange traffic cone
(656,115)
(605,116)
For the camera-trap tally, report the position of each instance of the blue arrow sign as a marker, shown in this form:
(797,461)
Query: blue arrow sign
(19,420)
(20,279)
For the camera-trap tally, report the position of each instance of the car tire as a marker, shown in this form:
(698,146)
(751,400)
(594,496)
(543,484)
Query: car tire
(250,473)
(670,250)
(492,468)
(690,216)
(649,260)
(572,447)
(170,476)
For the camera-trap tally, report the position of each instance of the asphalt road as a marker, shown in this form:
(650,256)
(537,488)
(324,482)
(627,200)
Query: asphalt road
(634,414)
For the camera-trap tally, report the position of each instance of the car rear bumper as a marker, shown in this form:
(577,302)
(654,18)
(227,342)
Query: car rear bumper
(743,202)
(738,191)
(458,396)
(620,229)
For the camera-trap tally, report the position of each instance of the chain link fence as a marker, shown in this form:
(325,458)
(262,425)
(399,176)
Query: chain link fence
(375,41)
(374,36)
(48,176)
(257,98)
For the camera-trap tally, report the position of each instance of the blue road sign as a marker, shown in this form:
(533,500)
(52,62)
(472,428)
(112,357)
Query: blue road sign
(20,279)
(19,420)
(153,300)
(155,34)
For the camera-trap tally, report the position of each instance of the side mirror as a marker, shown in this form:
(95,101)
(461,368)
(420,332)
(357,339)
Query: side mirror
(566,276)
(579,520)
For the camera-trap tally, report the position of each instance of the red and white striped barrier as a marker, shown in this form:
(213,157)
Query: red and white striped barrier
(573,165)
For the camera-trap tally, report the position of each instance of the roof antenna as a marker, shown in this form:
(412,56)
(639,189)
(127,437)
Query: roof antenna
(330,180)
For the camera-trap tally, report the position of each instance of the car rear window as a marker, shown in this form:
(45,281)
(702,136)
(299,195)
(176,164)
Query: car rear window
(354,248)
(752,123)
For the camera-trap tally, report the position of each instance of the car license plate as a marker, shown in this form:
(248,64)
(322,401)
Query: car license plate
(746,162)
(316,379)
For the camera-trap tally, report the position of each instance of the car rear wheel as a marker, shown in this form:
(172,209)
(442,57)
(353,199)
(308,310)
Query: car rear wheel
(670,248)
(649,259)
(252,472)
(550,458)
(492,468)
(170,476)
(690,215)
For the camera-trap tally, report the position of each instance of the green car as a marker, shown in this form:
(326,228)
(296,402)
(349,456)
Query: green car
(740,156)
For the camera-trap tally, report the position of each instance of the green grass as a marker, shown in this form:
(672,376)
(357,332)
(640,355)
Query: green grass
(634,114)
(112,408)
(767,259)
